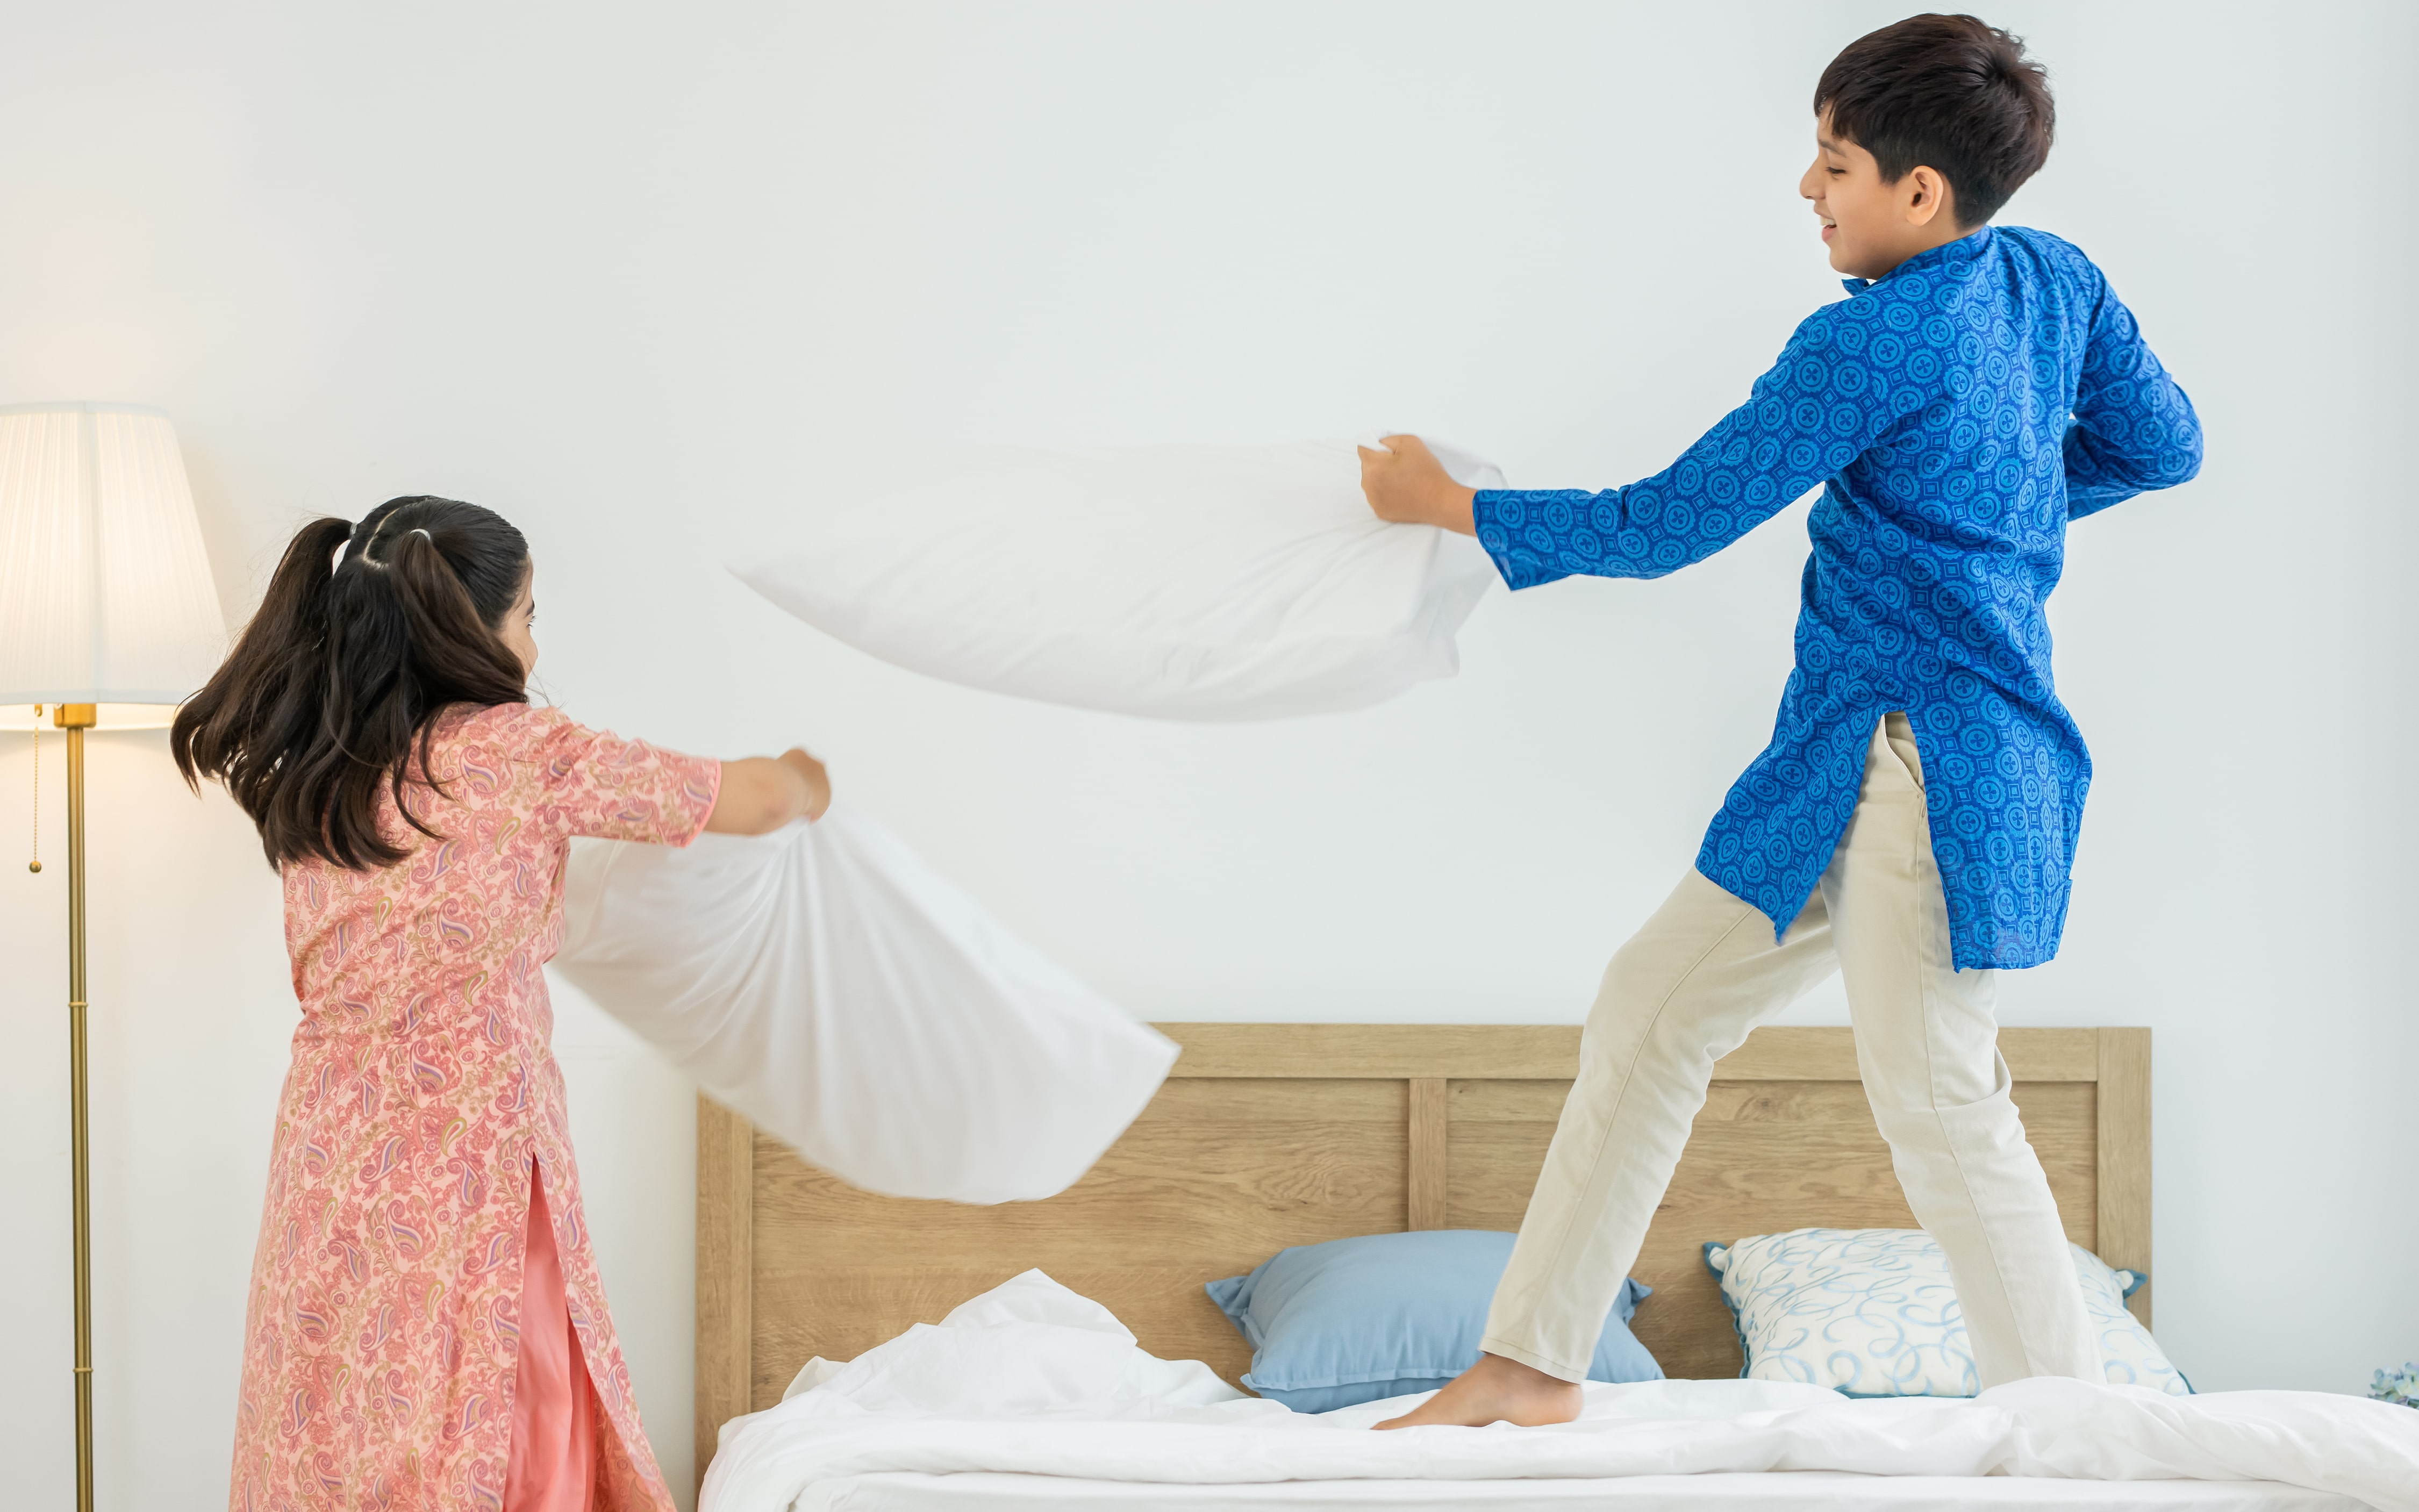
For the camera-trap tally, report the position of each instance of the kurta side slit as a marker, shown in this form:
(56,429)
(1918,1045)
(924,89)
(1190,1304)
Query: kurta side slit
(553,1462)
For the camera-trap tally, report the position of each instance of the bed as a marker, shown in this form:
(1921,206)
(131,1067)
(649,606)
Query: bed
(1268,1135)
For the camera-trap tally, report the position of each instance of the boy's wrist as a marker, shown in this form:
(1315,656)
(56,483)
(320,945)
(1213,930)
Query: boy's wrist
(1459,511)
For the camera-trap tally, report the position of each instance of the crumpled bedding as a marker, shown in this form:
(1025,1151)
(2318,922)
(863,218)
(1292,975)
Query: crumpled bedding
(1031,1378)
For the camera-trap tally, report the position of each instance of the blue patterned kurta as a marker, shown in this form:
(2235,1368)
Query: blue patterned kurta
(1959,411)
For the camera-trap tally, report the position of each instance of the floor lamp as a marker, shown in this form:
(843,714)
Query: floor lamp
(108,620)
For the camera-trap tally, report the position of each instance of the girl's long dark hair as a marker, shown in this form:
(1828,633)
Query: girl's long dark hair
(334,689)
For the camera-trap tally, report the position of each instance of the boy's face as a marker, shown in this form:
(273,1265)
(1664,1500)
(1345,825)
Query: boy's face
(1871,227)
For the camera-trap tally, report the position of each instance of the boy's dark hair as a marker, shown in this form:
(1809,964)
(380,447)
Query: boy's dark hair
(334,689)
(1952,93)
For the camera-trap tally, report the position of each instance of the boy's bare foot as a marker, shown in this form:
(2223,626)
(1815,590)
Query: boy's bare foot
(1495,1390)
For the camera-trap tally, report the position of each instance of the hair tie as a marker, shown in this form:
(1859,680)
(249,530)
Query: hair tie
(369,546)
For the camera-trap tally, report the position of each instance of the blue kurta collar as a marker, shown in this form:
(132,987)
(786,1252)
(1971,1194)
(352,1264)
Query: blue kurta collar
(1964,247)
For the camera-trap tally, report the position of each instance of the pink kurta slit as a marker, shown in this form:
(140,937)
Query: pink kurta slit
(553,1462)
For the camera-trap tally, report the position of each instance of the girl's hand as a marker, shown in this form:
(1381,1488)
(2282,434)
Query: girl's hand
(818,782)
(762,793)
(1408,486)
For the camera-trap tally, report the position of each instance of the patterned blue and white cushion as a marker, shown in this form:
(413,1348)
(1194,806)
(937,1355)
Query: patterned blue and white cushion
(1871,1312)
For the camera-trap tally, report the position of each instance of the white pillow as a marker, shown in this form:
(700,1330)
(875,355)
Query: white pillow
(1871,1312)
(827,984)
(1188,583)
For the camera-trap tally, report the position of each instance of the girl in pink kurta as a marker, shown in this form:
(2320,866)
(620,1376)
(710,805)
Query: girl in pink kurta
(427,1329)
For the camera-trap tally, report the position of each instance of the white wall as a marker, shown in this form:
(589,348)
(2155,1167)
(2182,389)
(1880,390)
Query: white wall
(652,280)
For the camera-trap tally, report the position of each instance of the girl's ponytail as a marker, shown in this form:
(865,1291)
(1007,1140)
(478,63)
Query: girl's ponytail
(368,632)
(265,698)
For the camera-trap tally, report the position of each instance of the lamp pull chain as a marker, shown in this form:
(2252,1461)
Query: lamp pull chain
(36,865)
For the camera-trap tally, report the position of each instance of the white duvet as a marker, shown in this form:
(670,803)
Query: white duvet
(1032,1379)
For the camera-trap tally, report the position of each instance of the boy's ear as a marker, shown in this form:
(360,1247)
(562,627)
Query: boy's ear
(1929,196)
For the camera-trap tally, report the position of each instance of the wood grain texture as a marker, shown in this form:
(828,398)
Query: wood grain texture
(1382,1051)
(1761,1157)
(1216,1175)
(1403,1051)
(1432,1153)
(1789,1052)
(2124,1156)
(725,1184)
(1270,1135)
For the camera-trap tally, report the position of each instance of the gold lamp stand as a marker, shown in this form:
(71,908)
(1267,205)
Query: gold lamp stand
(75,719)
(115,630)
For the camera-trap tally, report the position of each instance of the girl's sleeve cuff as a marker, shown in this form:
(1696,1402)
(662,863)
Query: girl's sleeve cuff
(703,789)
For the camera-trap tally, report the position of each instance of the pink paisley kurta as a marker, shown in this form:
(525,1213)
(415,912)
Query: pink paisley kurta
(380,1342)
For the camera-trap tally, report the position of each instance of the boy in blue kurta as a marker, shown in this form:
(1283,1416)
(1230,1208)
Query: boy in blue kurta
(1912,822)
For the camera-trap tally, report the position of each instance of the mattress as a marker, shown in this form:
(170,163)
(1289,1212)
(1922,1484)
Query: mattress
(1797,1491)
(1031,1396)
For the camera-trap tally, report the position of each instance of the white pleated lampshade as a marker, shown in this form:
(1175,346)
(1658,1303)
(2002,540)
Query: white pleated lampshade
(105,591)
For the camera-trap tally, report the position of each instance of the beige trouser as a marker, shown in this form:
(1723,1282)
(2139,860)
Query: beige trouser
(1685,992)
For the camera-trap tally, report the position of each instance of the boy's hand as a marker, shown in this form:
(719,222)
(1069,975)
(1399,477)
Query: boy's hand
(1408,486)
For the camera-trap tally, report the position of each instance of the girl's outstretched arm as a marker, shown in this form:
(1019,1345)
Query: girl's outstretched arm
(763,793)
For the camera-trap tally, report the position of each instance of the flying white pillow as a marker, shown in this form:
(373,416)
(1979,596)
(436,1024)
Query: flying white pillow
(825,982)
(1186,582)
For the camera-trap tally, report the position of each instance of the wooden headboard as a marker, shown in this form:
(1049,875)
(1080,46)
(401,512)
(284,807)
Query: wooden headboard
(1270,1134)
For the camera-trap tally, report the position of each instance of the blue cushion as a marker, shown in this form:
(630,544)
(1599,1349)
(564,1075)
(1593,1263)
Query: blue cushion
(1354,1321)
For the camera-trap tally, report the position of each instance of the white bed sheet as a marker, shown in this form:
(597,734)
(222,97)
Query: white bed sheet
(1032,1392)
(1779,1490)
